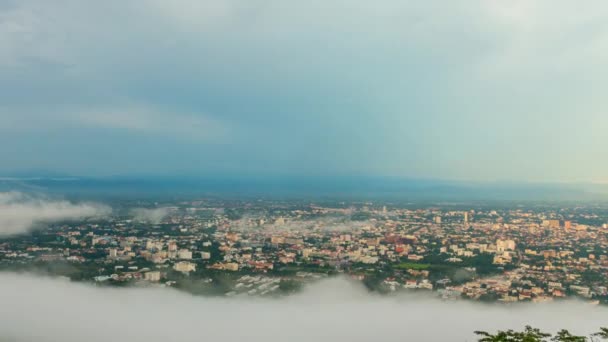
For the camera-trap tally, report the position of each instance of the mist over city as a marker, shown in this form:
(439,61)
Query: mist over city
(47,309)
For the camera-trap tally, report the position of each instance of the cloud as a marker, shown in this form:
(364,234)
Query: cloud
(20,212)
(335,223)
(152,121)
(397,88)
(331,310)
(154,216)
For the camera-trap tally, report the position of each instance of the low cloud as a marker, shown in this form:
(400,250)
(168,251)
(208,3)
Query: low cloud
(330,310)
(154,216)
(335,224)
(20,212)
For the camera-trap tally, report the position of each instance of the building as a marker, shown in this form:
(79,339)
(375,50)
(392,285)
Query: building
(228,266)
(184,266)
(184,254)
(152,276)
(306,252)
(551,223)
(113,253)
(505,245)
(277,240)
(231,266)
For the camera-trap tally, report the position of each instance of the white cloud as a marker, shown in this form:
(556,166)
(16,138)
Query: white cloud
(332,310)
(336,224)
(154,216)
(20,212)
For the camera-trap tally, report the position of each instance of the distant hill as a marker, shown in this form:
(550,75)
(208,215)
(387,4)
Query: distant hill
(335,187)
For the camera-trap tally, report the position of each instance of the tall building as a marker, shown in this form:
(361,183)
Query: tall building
(465,218)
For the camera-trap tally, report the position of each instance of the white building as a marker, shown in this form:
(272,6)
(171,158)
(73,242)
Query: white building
(113,253)
(152,276)
(184,266)
(505,245)
(184,254)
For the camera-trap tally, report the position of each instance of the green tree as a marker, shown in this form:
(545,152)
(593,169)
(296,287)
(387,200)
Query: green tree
(565,336)
(603,334)
(528,335)
(535,335)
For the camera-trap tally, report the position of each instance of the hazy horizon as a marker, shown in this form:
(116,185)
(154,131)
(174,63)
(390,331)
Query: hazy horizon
(306,187)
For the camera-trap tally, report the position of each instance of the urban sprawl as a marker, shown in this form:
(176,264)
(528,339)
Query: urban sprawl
(509,253)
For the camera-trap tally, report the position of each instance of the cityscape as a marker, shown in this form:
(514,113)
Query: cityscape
(319,170)
(505,254)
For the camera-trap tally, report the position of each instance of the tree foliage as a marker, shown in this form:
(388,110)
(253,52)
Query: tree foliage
(528,335)
(536,335)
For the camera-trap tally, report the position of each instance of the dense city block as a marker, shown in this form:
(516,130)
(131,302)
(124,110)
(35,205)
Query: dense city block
(504,252)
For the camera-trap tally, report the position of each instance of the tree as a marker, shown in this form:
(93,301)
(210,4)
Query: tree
(603,334)
(528,335)
(565,336)
(535,335)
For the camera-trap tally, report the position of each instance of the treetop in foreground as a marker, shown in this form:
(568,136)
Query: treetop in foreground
(536,335)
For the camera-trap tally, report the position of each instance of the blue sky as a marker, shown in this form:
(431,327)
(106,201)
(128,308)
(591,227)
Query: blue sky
(465,90)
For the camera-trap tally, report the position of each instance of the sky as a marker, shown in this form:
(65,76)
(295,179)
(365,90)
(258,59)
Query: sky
(461,90)
(330,310)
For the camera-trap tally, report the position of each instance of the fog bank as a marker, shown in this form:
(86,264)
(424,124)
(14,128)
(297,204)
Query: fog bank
(20,212)
(46,309)
(154,216)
